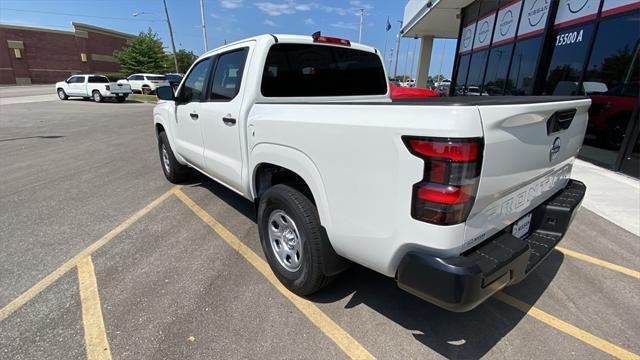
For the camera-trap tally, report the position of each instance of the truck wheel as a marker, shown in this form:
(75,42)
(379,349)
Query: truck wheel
(146,90)
(62,95)
(97,97)
(120,99)
(172,169)
(292,238)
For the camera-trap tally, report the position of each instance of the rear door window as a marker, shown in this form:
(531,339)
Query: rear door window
(297,70)
(228,75)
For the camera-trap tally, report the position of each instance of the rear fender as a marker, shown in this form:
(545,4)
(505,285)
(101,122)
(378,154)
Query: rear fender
(300,164)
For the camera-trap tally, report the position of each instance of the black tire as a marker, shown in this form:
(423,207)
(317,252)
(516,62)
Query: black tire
(172,169)
(309,277)
(146,90)
(120,99)
(62,95)
(97,97)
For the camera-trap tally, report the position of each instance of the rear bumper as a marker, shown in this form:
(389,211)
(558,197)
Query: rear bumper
(463,282)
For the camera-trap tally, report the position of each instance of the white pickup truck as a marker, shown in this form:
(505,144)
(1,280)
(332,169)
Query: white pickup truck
(454,197)
(96,87)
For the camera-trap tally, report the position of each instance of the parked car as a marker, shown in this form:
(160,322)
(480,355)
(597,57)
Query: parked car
(409,83)
(174,80)
(146,83)
(398,92)
(611,112)
(475,91)
(97,87)
(453,197)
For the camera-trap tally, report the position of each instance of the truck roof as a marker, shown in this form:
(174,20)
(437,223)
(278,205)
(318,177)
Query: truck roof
(290,38)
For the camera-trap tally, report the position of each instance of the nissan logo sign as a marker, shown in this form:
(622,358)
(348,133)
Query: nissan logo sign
(555,149)
(575,6)
(506,22)
(536,14)
(466,39)
(484,32)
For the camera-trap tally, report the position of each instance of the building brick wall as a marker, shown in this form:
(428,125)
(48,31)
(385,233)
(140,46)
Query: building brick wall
(51,55)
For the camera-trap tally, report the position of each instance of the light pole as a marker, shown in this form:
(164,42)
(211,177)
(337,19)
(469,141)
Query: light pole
(173,45)
(361,21)
(204,26)
(395,67)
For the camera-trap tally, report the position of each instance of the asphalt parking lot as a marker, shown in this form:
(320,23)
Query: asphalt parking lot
(102,257)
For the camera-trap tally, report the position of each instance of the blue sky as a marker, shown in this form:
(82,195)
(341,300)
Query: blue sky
(232,20)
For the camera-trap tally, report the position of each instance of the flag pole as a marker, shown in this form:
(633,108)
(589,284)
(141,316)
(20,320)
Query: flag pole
(387,27)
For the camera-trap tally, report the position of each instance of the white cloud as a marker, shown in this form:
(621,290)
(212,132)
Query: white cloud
(231,4)
(356,5)
(284,8)
(215,16)
(337,10)
(361,5)
(309,21)
(269,23)
(343,25)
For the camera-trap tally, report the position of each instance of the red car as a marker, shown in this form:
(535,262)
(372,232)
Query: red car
(610,113)
(398,92)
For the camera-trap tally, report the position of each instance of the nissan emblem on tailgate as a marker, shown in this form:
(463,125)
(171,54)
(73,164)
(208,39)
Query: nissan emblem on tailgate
(555,149)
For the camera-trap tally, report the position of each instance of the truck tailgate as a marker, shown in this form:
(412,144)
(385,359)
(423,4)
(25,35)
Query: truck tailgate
(120,88)
(528,154)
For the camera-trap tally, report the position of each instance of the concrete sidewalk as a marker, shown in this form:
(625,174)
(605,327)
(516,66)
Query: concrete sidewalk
(613,196)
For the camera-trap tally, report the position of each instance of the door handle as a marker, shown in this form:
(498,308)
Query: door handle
(229,121)
(194,115)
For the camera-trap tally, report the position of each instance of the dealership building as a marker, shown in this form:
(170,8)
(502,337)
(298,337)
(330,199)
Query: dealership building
(543,47)
(33,55)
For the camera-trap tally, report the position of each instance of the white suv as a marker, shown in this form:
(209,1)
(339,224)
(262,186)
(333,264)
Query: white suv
(147,83)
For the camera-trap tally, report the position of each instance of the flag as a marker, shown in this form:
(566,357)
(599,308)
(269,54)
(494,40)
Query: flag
(388,26)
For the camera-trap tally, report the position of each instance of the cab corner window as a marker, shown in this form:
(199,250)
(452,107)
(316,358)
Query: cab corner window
(227,76)
(195,83)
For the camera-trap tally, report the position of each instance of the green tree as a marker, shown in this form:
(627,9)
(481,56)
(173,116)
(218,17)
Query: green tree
(145,54)
(185,59)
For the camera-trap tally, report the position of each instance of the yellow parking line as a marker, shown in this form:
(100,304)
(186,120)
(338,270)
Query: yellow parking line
(95,336)
(566,328)
(345,341)
(606,264)
(57,273)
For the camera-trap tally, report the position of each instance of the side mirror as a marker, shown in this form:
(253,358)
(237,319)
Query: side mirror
(165,93)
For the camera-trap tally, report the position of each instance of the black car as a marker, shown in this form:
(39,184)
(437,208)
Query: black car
(174,80)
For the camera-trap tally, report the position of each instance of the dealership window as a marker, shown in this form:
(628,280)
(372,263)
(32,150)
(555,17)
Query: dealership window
(523,63)
(476,72)
(611,80)
(496,75)
(614,51)
(569,50)
(461,76)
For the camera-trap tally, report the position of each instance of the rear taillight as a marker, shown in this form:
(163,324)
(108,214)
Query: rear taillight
(448,188)
(108,87)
